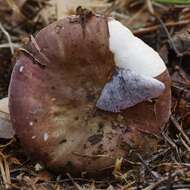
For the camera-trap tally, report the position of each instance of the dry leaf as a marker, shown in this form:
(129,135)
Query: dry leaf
(61,8)
(6,130)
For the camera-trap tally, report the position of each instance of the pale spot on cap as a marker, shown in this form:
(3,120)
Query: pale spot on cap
(53,99)
(33,137)
(46,136)
(31,123)
(21,69)
(132,53)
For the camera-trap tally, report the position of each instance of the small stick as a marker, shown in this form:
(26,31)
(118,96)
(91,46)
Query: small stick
(4,168)
(135,16)
(93,156)
(147,167)
(156,27)
(8,38)
(184,143)
(173,165)
(169,37)
(36,61)
(155,185)
(158,155)
(150,6)
(34,42)
(172,144)
(77,186)
(180,129)
(7,45)
(7,144)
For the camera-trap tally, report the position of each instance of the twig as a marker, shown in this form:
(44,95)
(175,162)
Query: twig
(6,45)
(93,156)
(8,38)
(173,165)
(169,37)
(113,6)
(184,144)
(5,172)
(15,8)
(77,186)
(135,16)
(7,144)
(36,61)
(155,185)
(156,27)
(164,7)
(119,15)
(158,155)
(37,47)
(177,187)
(150,6)
(146,166)
(171,143)
(180,129)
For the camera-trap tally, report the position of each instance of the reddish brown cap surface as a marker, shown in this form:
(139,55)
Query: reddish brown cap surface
(53,108)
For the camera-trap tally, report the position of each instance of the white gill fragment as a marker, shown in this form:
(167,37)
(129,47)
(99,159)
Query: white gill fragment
(6,130)
(132,53)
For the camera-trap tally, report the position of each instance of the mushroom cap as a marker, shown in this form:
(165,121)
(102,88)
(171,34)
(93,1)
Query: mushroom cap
(53,92)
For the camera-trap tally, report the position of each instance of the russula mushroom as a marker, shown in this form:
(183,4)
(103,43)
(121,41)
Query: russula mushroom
(86,92)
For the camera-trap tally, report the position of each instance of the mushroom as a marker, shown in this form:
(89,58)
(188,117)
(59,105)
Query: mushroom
(85,92)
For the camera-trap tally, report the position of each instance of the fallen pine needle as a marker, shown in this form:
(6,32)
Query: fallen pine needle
(180,129)
(5,172)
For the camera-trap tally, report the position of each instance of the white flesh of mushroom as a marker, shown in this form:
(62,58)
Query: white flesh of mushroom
(132,53)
